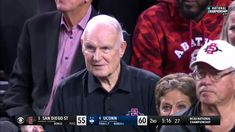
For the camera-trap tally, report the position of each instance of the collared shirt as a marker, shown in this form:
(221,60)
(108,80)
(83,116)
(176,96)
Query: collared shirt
(82,94)
(69,41)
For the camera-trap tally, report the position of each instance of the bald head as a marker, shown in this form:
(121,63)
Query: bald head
(106,23)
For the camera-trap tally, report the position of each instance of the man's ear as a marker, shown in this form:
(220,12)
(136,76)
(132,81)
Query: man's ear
(82,45)
(122,48)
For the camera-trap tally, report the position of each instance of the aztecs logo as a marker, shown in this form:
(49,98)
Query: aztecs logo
(212,48)
(134,112)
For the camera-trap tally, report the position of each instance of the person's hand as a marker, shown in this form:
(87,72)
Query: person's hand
(31,128)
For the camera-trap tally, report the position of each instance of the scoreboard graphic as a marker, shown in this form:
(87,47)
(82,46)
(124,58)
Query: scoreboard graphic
(83,120)
(217,10)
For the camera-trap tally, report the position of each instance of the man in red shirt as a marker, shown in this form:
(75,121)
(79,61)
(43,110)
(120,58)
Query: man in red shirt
(168,35)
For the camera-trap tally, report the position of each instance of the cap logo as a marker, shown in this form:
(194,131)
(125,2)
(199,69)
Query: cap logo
(210,49)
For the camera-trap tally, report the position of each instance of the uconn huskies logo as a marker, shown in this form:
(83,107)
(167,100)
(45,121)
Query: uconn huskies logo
(210,49)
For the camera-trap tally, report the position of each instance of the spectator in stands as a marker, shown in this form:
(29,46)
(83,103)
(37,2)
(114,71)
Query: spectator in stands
(228,31)
(214,72)
(174,93)
(168,35)
(48,50)
(13,14)
(108,86)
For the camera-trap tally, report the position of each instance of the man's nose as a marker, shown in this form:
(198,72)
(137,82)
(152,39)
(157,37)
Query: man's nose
(97,55)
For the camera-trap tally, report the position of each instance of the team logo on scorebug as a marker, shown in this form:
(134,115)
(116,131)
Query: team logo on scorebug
(20,120)
(92,120)
(30,120)
(134,112)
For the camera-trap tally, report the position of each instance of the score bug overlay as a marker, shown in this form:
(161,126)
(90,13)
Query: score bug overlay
(143,120)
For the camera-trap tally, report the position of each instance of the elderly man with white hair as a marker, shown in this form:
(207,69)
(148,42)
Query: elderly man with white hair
(214,72)
(107,86)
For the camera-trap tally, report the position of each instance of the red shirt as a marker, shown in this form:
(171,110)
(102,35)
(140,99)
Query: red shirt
(165,42)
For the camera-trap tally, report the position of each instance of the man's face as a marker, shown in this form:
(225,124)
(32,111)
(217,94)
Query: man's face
(210,91)
(192,9)
(68,5)
(102,49)
(231,28)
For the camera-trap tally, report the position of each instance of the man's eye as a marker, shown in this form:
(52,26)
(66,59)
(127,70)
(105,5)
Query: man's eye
(232,28)
(90,49)
(215,74)
(202,73)
(106,49)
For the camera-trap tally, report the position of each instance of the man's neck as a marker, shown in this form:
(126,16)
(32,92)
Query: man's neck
(226,111)
(109,82)
(73,17)
(199,17)
(221,109)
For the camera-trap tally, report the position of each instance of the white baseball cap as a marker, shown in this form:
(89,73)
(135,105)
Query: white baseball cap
(218,54)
